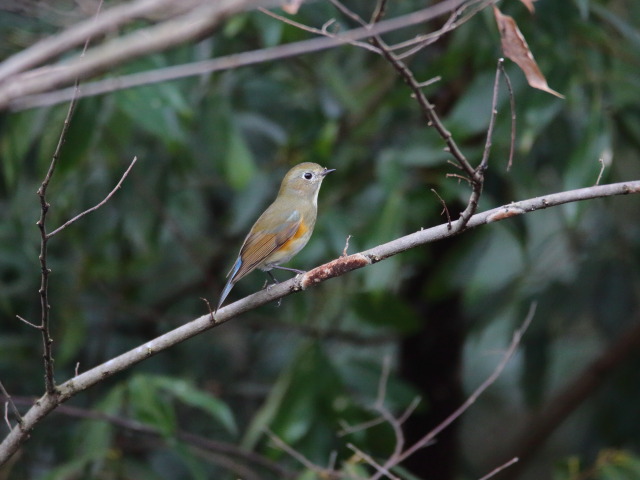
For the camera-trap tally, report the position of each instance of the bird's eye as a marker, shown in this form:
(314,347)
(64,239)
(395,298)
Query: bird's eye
(308,176)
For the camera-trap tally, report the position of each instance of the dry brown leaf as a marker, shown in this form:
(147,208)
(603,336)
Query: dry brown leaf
(292,6)
(529,5)
(515,48)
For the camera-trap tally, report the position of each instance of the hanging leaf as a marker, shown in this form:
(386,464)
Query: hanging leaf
(515,48)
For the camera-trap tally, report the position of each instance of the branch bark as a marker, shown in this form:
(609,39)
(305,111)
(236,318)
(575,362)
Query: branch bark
(335,268)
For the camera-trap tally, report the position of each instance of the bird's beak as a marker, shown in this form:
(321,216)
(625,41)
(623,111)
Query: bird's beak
(327,171)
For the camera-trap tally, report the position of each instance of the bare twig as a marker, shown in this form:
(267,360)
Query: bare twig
(477,180)
(95,207)
(431,81)
(395,425)
(321,471)
(318,31)
(6,415)
(602,167)
(512,104)
(409,410)
(414,45)
(497,470)
(459,177)
(345,250)
(369,459)
(211,312)
(9,403)
(492,120)
(445,210)
(24,320)
(379,12)
(390,419)
(347,429)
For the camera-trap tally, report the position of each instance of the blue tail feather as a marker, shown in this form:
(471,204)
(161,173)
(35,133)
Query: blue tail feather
(230,282)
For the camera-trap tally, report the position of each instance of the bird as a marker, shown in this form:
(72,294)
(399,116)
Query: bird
(283,229)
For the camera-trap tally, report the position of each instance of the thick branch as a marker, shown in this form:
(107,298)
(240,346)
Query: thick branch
(318,275)
(51,47)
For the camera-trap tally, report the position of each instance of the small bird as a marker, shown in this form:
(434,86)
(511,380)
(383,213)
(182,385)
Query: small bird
(284,228)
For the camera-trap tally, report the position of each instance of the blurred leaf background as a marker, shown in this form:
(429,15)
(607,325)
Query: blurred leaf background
(212,151)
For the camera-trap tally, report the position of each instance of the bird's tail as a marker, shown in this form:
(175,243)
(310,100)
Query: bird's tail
(230,283)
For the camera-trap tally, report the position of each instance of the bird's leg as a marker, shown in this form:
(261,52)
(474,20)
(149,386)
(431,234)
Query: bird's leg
(289,269)
(275,281)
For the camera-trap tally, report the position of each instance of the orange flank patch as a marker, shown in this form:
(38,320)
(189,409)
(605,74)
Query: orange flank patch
(302,229)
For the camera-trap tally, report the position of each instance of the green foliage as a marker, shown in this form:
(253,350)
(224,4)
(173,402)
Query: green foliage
(211,153)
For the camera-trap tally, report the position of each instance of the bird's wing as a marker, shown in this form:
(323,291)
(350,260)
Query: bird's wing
(265,238)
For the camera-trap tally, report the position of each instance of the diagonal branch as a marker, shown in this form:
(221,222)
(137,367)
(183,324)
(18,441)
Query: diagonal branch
(337,267)
(429,437)
(44,269)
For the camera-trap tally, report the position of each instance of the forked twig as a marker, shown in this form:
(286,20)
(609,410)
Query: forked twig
(95,207)
(318,31)
(45,308)
(513,346)
(477,181)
